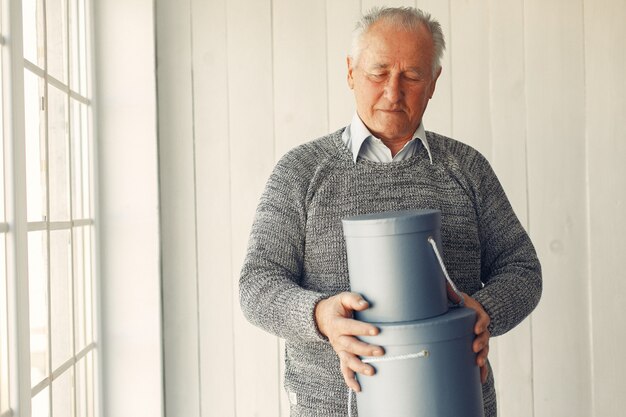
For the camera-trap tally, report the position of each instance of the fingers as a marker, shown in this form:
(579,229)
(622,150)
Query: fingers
(347,348)
(482,350)
(350,365)
(480,346)
(353,301)
(482,321)
(481,342)
(484,372)
(334,319)
(349,378)
(354,346)
(482,318)
(354,328)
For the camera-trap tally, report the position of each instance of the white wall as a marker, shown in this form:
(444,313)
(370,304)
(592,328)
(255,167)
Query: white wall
(536,85)
(128,216)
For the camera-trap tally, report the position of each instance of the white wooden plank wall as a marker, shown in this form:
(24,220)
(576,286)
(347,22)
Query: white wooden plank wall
(178,211)
(536,85)
(213,208)
(512,354)
(605,37)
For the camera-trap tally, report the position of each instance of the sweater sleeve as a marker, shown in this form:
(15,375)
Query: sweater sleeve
(269,287)
(510,269)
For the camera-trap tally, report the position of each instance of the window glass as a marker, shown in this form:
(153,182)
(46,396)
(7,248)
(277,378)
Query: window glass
(58,155)
(38,303)
(78,47)
(40,406)
(4,307)
(32,22)
(56,40)
(77,145)
(60,297)
(89,268)
(62,403)
(4,335)
(2,142)
(35,147)
(80,335)
(87,163)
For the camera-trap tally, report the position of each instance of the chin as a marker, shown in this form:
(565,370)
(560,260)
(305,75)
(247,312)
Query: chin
(394,128)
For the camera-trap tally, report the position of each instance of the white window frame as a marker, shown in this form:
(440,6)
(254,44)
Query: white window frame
(17,226)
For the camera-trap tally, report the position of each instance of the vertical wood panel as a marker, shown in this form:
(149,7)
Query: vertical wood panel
(366,5)
(178,226)
(213,208)
(300,82)
(250,105)
(469,41)
(605,33)
(341,17)
(512,358)
(301,87)
(556,147)
(438,117)
(508,100)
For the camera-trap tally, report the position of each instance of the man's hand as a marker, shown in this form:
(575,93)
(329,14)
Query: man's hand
(481,342)
(334,320)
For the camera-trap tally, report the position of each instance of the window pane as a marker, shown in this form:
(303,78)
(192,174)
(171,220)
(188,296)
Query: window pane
(56,26)
(4,308)
(85,384)
(2,199)
(62,402)
(83,286)
(80,338)
(35,145)
(78,47)
(87,161)
(58,155)
(89,248)
(38,303)
(85,378)
(60,297)
(81,387)
(4,334)
(77,146)
(32,21)
(40,406)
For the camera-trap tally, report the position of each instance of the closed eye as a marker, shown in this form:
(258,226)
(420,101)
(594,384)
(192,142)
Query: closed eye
(413,76)
(377,76)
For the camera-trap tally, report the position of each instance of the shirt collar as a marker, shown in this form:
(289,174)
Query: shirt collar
(358,133)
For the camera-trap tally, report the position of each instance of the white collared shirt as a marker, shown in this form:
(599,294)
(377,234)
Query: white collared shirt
(361,142)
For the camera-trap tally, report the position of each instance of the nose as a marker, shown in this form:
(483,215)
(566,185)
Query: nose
(393,89)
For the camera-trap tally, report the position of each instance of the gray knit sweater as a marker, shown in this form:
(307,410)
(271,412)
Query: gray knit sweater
(297,255)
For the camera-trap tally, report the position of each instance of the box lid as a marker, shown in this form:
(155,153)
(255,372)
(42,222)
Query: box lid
(391,223)
(457,322)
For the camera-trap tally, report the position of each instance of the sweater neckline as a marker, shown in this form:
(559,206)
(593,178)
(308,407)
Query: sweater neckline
(346,155)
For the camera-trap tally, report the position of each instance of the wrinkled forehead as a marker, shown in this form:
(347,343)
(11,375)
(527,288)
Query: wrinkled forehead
(385,45)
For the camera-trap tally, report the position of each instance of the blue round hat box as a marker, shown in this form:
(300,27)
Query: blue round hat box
(393,266)
(428,370)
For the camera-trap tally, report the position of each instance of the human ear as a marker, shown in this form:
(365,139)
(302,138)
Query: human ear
(434,83)
(350,73)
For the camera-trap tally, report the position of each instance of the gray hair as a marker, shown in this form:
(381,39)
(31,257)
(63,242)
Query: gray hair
(406,18)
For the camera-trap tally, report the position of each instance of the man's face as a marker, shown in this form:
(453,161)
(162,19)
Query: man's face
(393,80)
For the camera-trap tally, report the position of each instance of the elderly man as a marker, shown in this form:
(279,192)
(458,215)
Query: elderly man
(295,283)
